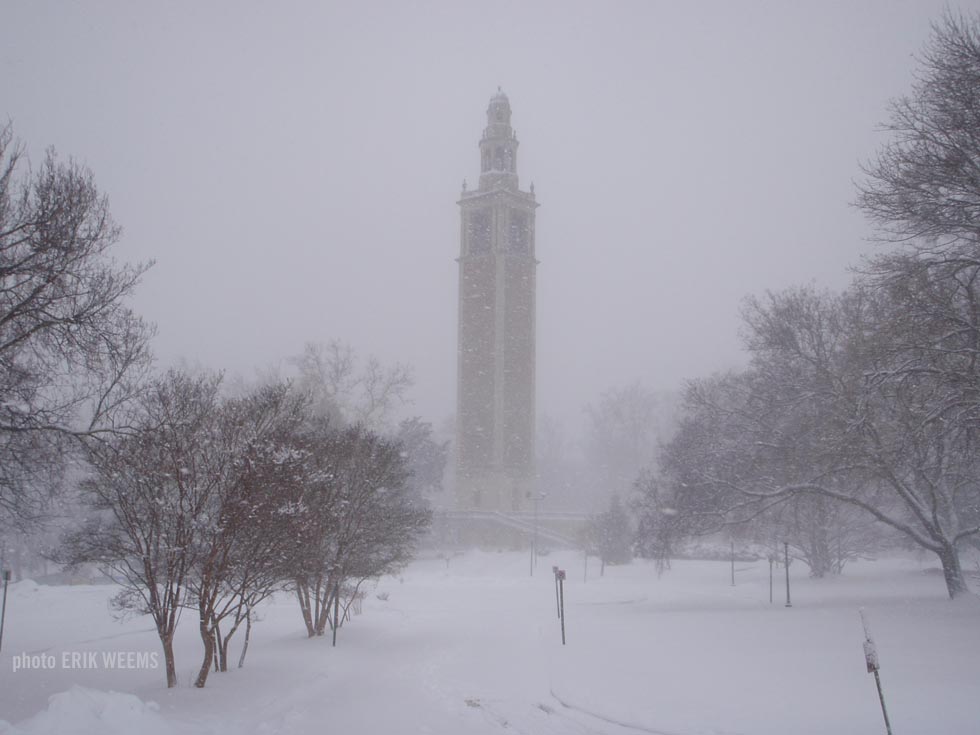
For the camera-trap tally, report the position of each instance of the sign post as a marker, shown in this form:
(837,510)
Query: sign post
(561,603)
(871,659)
(3,609)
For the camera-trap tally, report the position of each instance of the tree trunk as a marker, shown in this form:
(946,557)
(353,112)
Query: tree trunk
(248,636)
(818,556)
(225,641)
(319,606)
(303,593)
(223,652)
(949,556)
(207,637)
(168,660)
(323,607)
(217,647)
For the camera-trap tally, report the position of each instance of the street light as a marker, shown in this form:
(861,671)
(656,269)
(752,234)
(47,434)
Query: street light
(786,552)
(557,599)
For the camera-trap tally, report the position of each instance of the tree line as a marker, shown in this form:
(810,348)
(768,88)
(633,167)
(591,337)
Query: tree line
(191,494)
(214,503)
(859,409)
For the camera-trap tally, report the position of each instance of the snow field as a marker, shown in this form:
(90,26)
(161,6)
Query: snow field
(476,648)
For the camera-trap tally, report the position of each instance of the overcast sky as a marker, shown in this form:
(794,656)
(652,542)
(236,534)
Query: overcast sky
(294,167)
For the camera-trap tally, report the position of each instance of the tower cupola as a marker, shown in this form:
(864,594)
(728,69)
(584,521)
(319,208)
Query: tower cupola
(498,147)
(498,113)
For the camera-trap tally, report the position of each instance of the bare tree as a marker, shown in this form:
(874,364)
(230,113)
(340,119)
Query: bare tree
(823,533)
(565,478)
(869,399)
(624,430)
(196,507)
(71,352)
(923,191)
(425,457)
(822,412)
(347,391)
(924,185)
(150,495)
(246,537)
(609,535)
(360,518)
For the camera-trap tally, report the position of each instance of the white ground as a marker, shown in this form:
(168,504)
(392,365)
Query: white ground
(475,648)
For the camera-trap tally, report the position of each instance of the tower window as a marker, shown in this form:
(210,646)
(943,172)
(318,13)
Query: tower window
(498,159)
(519,235)
(478,232)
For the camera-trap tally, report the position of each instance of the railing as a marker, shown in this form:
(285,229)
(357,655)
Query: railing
(525,521)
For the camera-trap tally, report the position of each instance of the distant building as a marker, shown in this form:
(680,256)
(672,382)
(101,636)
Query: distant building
(495,415)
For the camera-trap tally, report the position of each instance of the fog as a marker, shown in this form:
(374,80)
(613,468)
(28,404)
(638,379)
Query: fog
(294,168)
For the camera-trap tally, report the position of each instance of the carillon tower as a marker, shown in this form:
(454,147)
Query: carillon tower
(495,415)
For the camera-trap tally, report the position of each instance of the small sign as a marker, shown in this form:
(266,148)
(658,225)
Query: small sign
(561,574)
(871,656)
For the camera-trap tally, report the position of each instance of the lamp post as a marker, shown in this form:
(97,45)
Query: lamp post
(733,563)
(557,600)
(771,560)
(786,558)
(336,611)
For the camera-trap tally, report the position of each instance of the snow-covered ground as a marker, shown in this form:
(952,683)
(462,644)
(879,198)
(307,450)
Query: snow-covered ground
(475,647)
